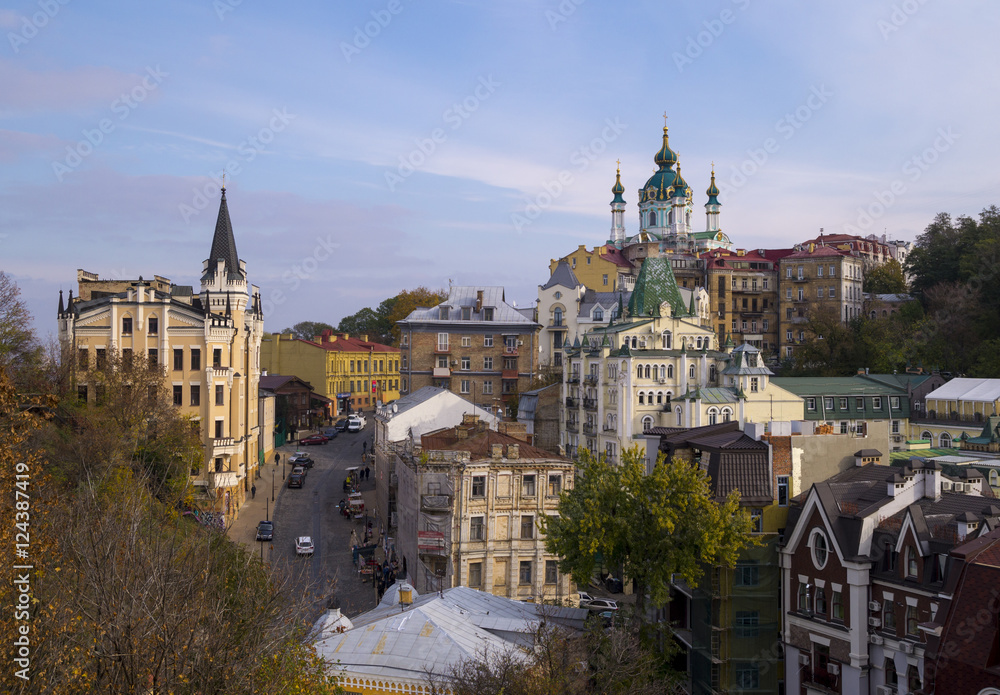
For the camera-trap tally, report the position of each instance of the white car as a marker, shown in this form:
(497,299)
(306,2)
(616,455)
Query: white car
(599,605)
(304,545)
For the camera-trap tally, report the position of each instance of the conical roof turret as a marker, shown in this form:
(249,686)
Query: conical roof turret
(713,191)
(618,189)
(665,157)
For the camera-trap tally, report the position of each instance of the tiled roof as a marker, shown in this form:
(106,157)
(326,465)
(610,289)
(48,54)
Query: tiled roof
(611,253)
(223,242)
(655,285)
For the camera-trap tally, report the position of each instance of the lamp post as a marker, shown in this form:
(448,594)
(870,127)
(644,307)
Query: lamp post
(267,509)
(272,486)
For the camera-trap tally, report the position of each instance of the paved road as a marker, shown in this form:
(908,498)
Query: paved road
(311,510)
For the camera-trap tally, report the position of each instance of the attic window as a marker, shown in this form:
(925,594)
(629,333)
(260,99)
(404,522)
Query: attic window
(820,548)
(444,312)
(488,313)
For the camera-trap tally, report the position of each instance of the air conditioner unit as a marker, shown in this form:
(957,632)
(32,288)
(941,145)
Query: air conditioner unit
(876,639)
(885,690)
(946,485)
(520,342)
(874,606)
(906,647)
(803,659)
(958,487)
(875,622)
(833,669)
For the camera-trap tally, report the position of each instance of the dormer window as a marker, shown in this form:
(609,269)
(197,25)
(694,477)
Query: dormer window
(443,313)
(487,313)
(911,564)
(598,314)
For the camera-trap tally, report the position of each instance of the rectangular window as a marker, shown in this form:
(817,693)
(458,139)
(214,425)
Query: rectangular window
(442,361)
(605,278)
(802,294)
(154,357)
(828,402)
(195,359)
(819,271)
(833,271)
(127,325)
(764,285)
(178,359)
(466,341)
(783,490)
(487,388)
(877,403)
(83,359)
(528,526)
(487,341)
(837,606)
(747,676)
(442,344)
(479,486)
(524,572)
(475,574)
(195,394)
(766,325)
(404,339)
(220,394)
(154,325)
(466,313)
(911,621)
(819,293)
(747,623)
(788,335)
(810,403)
(747,573)
(788,272)
(803,597)
(178,394)
(465,386)
(487,313)
(832,293)
(895,426)
(488,363)
(551,572)
(859,403)
(555,485)
(466,363)
(476,528)
(756,520)
(843,403)
(894,402)
(218,429)
(217,358)
(444,312)
(889,617)
(528,486)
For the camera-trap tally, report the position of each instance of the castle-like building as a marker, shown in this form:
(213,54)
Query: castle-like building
(207,343)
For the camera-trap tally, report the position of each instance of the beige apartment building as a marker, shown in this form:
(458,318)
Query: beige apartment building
(468,511)
(208,344)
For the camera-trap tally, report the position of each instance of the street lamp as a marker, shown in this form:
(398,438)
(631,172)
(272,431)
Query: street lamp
(272,486)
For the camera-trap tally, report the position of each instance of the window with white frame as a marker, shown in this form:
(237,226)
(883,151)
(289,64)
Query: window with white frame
(442,343)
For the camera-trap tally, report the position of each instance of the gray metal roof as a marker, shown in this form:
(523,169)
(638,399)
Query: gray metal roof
(458,297)
(563,275)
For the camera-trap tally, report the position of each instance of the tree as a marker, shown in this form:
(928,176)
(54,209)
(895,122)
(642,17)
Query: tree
(20,352)
(308,330)
(408,300)
(650,525)
(379,324)
(885,278)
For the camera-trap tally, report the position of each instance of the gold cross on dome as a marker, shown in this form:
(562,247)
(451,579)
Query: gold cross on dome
(664,119)
(223,179)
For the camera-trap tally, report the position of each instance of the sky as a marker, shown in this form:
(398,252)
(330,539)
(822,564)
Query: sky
(372,147)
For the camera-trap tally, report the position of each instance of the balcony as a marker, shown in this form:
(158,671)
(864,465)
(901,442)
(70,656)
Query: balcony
(435,503)
(510,350)
(590,428)
(509,374)
(590,403)
(799,319)
(591,378)
(443,372)
(574,378)
(223,479)
(748,290)
(800,278)
(752,312)
(573,426)
(572,402)
(223,446)
(801,300)
(440,349)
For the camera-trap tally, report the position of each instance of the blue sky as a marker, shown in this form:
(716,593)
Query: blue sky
(377,146)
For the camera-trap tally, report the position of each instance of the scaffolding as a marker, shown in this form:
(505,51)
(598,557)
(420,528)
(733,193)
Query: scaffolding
(735,625)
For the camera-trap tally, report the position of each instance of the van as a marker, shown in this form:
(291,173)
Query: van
(356,423)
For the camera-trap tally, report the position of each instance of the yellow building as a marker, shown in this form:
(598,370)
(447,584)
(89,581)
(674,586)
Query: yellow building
(354,373)
(208,344)
(604,269)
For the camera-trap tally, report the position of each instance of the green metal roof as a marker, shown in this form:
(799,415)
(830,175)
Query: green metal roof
(656,284)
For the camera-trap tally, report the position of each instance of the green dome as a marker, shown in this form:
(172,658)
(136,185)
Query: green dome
(713,191)
(666,157)
(618,189)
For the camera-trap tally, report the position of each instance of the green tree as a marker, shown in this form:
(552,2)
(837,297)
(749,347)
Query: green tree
(885,278)
(651,525)
(379,324)
(307,330)
(20,352)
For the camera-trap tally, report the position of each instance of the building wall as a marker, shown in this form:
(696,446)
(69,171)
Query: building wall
(591,269)
(744,299)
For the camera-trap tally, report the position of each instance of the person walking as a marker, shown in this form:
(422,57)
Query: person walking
(253,492)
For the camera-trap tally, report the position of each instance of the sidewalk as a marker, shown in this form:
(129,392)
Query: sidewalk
(254,509)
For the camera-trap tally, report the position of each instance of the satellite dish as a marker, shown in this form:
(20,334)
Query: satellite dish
(395,408)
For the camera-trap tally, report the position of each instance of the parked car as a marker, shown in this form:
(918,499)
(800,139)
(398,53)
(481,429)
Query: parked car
(341,425)
(599,605)
(585,598)
(301,459)
(356,423)
(296,479)
(304,545)
(313,439)
(330,433)
(613,584)
(300,470)
(265,530)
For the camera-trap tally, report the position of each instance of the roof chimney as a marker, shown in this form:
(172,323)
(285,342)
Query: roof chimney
(479,300)
(496,451)
(513,451)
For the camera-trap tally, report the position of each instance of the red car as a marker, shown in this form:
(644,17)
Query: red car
(314,439)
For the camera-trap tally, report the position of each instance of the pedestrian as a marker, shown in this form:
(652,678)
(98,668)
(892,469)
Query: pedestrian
(367,472)
(364,446)
(253,491)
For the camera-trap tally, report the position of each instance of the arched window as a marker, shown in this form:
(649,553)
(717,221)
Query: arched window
(994,478)
(945,440)
(635,342)
(670,371)
(638,372)
(713,416)
(926,435)
(670,216)
(691,372)
(557,316)
(727,414)
(652,219)
(667,341)
(659,398)
(642,398)
(699,343)
(647,371)
(712,372)
(598,314)
(647,423)
(678,413)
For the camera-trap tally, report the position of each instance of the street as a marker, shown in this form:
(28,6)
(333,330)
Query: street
(329,576)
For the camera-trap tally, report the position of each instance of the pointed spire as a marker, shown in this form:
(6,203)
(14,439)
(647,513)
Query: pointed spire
(655,285)
(69,302)
(691,306)
(665,157)
(62,309)
(224,243)
(713,190)
(229,306)
(618,189)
